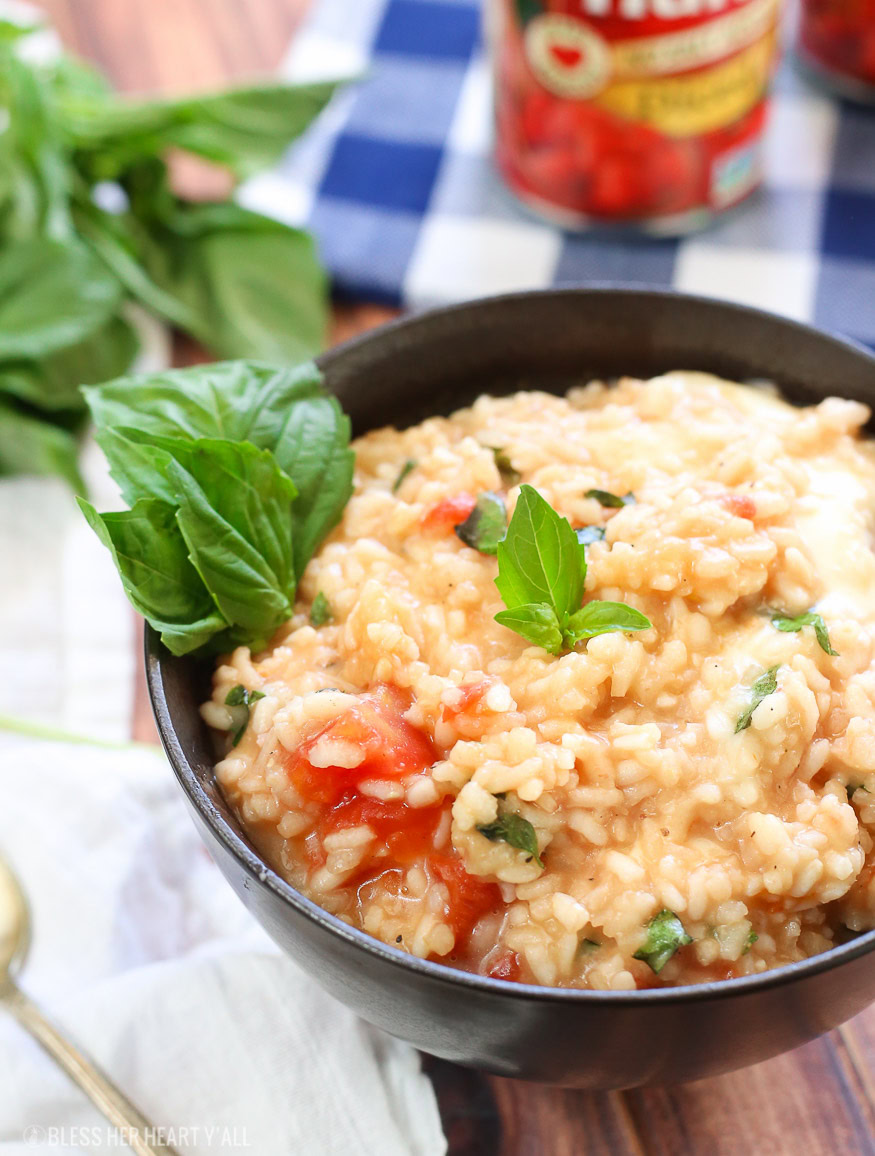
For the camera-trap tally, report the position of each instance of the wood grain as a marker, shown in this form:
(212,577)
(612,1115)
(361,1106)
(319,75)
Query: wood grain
(816,1101)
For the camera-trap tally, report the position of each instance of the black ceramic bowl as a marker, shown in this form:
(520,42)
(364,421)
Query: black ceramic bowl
(591,1039)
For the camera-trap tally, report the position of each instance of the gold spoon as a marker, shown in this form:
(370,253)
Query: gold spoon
(14,942)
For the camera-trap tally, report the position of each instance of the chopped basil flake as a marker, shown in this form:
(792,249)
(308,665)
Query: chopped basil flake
(407,468)
(665,934)
(587,945)
(613,501)
(516,831)
(242,699)
(486,525)
(320,611)
(765,685)
(752,937)
(586,535)
(852,789)
(509,475)
(788,624)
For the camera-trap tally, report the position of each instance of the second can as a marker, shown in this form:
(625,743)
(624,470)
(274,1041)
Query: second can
(646,112)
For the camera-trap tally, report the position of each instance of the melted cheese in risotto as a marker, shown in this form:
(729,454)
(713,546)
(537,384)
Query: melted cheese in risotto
(687,802)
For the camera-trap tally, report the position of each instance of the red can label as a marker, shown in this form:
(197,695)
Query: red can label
(632,109)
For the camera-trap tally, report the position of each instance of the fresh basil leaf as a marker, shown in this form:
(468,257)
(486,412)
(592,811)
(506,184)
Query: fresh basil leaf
(515,830)
(765,685)
(612,501)
(320,611)
(234,514)
(602,618)
(313,449)
(237,400)
(10,30)
(283,410)
(665,934)
(486,525)
(157,575)
(789,624)
(52,295)
(505,467)
(586,535)
(114,241)
(240,700)
(251,286)
(752,937)
(536,622)
(540,559)
(35,154)
(31,446)
(407,468)
(53,382)
(245,129)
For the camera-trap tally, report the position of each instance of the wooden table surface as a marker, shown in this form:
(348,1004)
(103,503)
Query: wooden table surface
(816,1101)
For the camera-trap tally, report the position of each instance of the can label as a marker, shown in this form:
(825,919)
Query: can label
(691,73)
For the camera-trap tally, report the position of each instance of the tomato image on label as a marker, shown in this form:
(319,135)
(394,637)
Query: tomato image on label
(631,111)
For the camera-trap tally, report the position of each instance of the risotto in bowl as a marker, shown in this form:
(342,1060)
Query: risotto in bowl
(573,727)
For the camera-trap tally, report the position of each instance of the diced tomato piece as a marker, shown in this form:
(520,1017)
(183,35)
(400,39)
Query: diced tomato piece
(471,696)
(449,513)
(470,896)
(376,726)
(507,966)
(406,832)
(742,505)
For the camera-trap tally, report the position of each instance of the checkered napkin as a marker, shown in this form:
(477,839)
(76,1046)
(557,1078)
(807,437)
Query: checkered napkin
(396,182)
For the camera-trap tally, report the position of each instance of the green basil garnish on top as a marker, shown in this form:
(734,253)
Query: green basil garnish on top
(516,831)
(665,934)
(407,468)
(320,611)
(765,685)
(509,475)
(234,473)
(788,623)
(486,525)
(541,575)
(612,501)
(241,699)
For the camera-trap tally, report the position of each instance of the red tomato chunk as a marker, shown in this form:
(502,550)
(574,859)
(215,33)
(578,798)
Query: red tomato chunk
(449,513)
(393,749)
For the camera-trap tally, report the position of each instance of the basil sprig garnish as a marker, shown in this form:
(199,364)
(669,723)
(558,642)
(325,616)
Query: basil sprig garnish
(486,525)
(234,473)
(240,700)
(541,574)
(765,685)
(665,934)
(516,831)
(790,624)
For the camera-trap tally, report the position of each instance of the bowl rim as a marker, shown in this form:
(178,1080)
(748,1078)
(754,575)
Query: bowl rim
(156,655)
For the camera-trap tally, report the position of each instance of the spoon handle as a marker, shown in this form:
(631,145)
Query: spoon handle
(135,1128)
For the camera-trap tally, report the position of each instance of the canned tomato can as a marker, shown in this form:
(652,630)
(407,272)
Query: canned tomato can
(638,112)
(836,43)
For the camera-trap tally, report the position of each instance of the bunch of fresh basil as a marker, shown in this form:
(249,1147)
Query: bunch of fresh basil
(234,473)
(89,221)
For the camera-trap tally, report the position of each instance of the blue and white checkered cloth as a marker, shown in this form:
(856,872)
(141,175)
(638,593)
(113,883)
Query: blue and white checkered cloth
(396,182)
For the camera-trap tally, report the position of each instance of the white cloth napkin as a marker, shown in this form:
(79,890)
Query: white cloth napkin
(145,956)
